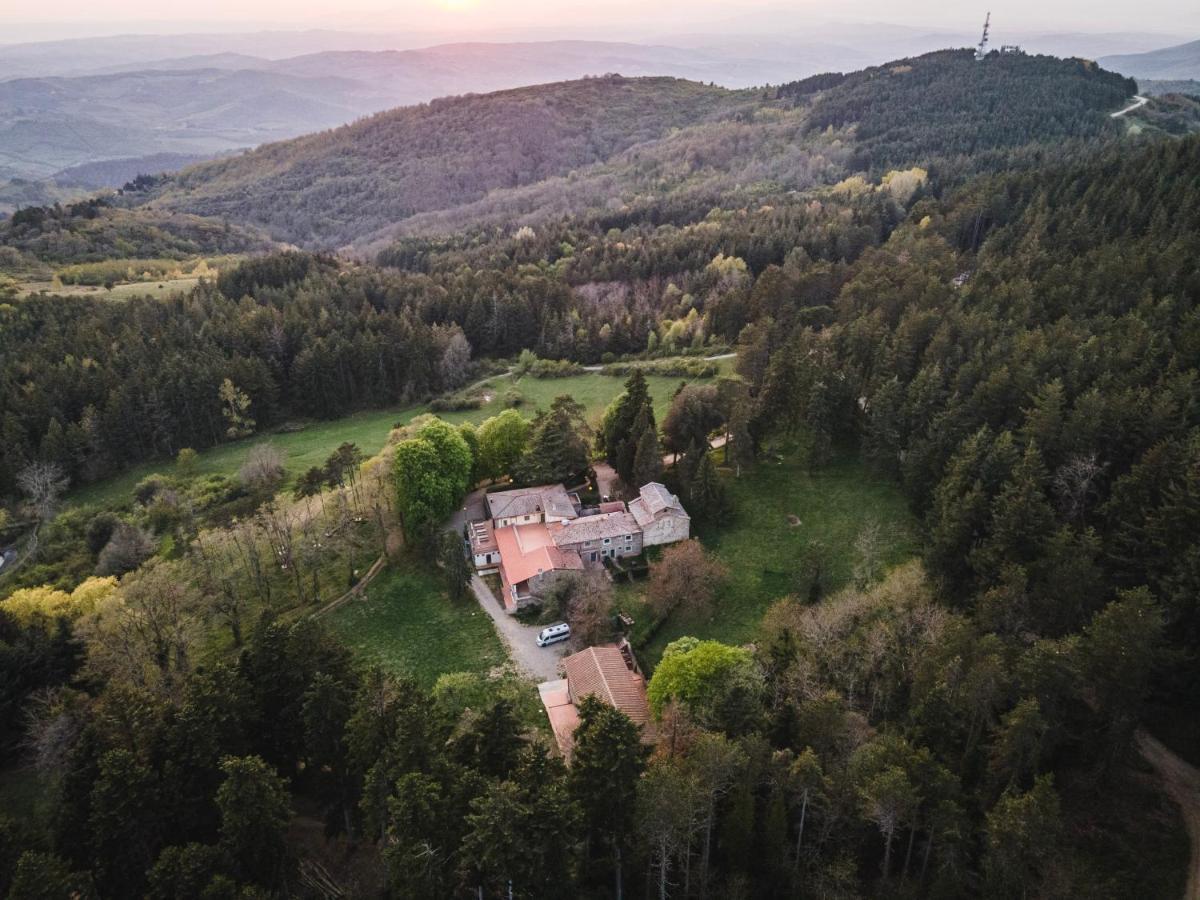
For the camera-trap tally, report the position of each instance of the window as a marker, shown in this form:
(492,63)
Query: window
(607,541)
(629,537)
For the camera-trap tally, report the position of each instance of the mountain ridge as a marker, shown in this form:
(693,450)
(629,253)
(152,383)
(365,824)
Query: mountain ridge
(427,164)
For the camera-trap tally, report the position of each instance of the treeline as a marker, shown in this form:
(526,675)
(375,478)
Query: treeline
(95,386)
(802,766)
(94,231)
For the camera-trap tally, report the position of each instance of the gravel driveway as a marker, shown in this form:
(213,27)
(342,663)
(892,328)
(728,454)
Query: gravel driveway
(538,663)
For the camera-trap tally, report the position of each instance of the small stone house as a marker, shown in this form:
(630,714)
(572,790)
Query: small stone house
(611,535)
(527,506)
(608,672)
(660,516)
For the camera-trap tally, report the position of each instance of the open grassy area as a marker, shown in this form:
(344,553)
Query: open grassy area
(763,548)
(167,287)
(311,445)
(407,624)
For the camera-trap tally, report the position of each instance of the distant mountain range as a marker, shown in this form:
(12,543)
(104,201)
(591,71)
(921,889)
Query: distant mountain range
(1168,64)
(170,99)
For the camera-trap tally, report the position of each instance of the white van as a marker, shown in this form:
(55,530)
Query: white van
(553,634)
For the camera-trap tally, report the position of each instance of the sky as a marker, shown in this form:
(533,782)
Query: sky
(612,19)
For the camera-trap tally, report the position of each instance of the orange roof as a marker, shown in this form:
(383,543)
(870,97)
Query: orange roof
(602,671)
(528,550)
(563,716)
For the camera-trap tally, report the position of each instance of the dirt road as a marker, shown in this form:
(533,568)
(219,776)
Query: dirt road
(1181,781)
(1138,102)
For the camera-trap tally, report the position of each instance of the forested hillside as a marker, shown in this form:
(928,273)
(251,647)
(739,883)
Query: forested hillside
(536,154)
(332,188)
(949,107)
(95,231)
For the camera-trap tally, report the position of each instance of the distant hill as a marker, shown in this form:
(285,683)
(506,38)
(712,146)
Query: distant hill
(92,231)
(49,124)
(947,104)
(533,153)
(113,173)
(1150,87)
(1169,63)
(334,188)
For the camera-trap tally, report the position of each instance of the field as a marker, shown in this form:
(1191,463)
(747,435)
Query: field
(763,548)
(312,445)
(407,624)
(167,287)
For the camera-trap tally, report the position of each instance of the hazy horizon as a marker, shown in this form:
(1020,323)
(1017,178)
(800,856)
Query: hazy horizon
(425,22)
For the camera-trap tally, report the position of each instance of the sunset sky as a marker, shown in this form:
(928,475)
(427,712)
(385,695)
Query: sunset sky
(633,19)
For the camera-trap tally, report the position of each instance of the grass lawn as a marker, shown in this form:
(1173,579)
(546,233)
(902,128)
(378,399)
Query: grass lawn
(312,445)
(762,548)
(407,624)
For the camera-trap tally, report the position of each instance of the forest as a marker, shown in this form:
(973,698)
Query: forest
(997,316)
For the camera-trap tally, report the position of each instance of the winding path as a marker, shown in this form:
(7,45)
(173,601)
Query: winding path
(1181,781)
(1138,102)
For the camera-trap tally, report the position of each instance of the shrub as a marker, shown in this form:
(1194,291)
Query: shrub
(454,404)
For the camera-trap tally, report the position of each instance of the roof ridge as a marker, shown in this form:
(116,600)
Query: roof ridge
(612,700)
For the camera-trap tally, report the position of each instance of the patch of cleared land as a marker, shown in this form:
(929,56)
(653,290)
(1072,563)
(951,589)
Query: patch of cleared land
(763,548)
(408,624)
(168,287)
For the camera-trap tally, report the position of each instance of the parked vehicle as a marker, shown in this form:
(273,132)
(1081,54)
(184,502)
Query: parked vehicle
(552,634)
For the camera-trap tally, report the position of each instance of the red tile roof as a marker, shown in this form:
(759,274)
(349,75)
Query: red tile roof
(602,671)
(528,550)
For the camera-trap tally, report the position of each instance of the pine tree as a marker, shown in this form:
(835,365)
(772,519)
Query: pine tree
(709,503)
(605,768)
(647,462)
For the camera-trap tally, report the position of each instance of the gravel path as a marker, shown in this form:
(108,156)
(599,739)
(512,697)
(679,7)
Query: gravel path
(538,663)
(1181,781)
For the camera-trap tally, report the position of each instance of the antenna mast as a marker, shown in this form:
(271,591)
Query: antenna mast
(981,50)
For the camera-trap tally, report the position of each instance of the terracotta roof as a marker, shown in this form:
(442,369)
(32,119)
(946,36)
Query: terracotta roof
(563,716)
(523,501)
(528,550)
(591,528)
(655,501)
(612,506)
(602,671)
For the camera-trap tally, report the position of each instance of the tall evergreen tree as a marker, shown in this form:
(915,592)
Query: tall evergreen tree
(606,764)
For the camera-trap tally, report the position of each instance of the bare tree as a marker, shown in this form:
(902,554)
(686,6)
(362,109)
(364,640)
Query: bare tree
(685,577)
(44,484)
(54,718)
(127,549)
(589,607)
(1075,484)
(456,359)
(216,560)
(262,472)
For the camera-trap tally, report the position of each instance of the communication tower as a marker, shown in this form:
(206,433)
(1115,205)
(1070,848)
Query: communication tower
(981,50)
